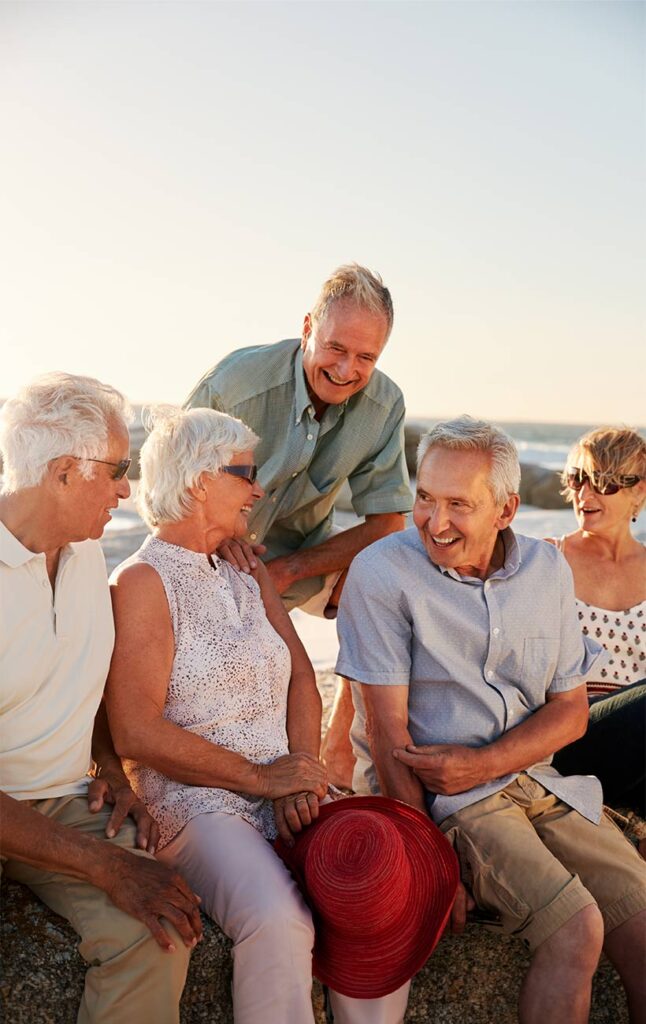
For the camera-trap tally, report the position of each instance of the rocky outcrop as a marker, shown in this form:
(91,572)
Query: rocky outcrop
(470,979)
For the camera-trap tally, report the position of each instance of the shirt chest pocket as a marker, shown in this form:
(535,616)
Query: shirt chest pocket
(540,660)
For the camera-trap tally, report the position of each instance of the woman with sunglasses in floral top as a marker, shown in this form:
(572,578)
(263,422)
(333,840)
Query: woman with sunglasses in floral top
(605,479)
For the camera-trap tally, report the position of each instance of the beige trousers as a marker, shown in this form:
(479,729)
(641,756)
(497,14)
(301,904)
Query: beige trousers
(130,978)
(247,889)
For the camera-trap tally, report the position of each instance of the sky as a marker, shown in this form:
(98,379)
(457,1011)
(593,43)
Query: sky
(177,179)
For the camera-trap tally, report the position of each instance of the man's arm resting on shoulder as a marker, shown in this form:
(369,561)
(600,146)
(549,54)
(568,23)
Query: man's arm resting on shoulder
(140,886)
(453,768)
(335,553)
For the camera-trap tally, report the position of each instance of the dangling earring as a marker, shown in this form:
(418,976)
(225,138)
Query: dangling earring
(634,516)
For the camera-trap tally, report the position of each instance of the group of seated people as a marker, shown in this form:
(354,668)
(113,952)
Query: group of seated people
(497,688)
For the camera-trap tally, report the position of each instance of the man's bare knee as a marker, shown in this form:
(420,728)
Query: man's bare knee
(577,943)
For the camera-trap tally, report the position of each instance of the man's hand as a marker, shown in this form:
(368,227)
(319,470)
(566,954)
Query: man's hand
(148,890)
(464,902)
(292,773)
(240,554)
(293,813)
(126,804)
(444,768)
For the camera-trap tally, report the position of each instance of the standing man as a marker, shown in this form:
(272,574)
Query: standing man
(324,415)
(471,663)
(64,444)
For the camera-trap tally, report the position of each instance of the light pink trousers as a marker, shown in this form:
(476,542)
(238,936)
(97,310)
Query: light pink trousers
(248,891)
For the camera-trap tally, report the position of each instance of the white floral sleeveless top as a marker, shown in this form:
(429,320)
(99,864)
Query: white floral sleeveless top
(228,683)
(622,633)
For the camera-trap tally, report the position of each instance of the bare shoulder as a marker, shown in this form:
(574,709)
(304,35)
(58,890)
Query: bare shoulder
(137,588)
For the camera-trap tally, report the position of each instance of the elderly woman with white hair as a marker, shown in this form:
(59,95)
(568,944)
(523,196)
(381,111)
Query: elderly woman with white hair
(224,744)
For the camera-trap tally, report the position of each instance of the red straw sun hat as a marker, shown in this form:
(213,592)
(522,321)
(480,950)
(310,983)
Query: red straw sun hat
(380,879)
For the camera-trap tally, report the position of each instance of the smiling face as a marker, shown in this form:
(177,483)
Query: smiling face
(455,512)
(340,352)
(229,499)
(604,513)
(88,503)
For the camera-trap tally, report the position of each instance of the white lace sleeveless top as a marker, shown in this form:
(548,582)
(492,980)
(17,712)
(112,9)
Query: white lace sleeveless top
(623,634)
(228,683)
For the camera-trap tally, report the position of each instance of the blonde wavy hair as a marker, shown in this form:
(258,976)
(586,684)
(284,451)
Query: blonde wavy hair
(609,453)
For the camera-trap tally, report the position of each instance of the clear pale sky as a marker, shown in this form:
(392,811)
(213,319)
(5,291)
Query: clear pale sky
(177,179)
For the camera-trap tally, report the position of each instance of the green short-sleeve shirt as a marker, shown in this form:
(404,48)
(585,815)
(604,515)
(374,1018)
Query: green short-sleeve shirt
(303,463)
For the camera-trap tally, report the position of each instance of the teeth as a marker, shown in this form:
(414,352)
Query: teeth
(336,380)
(444,541)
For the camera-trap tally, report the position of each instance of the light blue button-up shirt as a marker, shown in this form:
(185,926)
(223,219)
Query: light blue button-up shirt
(479,657)
(304,462)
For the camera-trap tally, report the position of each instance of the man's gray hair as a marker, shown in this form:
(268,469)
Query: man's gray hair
(183,444)
(358,285)
(467,434)
(57,414)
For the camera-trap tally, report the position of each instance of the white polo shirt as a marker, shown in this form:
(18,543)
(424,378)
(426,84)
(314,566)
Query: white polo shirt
(55,653)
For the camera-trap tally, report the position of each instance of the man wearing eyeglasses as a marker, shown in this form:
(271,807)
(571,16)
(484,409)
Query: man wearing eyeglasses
(325,415)
(470,667)
(83,845)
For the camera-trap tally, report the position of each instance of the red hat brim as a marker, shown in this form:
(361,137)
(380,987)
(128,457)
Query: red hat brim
(376,965)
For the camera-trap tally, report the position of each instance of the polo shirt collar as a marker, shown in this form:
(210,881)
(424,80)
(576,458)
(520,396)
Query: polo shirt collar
(510,566)
(14,554)
(302,400)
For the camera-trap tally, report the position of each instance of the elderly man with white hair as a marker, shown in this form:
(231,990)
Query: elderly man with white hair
(468,660)
(64,444)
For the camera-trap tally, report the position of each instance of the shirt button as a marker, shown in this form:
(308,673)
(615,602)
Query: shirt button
(496,631)
(273,501)
(43,583)
(253,535)
(310,437)
(490,674)
(294,474)
(310,409)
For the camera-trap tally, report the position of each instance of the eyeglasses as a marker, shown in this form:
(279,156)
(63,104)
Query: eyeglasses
(576,478)
(246,472)
(120,468)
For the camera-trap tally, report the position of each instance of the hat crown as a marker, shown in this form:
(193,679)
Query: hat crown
(357,873)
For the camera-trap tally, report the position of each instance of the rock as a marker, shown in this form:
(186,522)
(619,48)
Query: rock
(470,979)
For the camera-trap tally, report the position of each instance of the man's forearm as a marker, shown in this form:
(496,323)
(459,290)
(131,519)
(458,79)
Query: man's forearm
(454,768)
(539,736)
(336,553)
(28,836)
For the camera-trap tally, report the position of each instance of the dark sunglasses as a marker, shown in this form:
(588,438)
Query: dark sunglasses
(120,468)
(246,472)
(576,478)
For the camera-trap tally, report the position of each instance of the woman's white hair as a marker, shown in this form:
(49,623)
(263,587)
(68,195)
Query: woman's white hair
(467,434)
(57,414)
(183,444)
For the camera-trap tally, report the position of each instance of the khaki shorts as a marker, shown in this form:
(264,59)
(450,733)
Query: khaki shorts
(533,860)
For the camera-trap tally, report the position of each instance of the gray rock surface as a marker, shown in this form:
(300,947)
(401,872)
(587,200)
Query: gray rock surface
(470,979)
